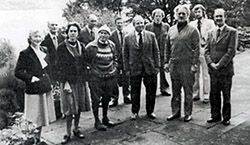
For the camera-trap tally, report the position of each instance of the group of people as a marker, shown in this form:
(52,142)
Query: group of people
(91,63)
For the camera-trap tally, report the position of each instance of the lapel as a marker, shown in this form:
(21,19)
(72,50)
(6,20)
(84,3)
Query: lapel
(134,39)
(34,57)
(224,32)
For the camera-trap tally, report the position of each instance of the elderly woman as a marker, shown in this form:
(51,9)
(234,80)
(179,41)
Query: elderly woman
(72,77)
(102,62)
(32,69)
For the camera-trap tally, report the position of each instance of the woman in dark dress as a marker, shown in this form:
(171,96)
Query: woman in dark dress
(71,75)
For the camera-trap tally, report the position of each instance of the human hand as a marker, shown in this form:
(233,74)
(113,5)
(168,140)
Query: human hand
(166,67)
(214,66)
(194,68)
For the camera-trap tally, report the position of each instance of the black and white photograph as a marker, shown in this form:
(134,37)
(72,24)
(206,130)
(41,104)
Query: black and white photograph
(124,72)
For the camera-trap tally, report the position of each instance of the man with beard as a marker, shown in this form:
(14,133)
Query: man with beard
(183,42)
(160,29)
(141,60)
(201,76)
(219,52)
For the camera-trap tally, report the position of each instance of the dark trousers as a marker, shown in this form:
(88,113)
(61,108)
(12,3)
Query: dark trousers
(181,76)
(150,82)
(123,81)
(101,89)
(220,84)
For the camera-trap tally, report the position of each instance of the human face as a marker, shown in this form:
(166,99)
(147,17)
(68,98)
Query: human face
(36,39)
(139,24)
(119,24)
(158,18)
(219,17)
(73,33)
(92,22)
(198,13)
(182,15)
(53,27)
(103,35)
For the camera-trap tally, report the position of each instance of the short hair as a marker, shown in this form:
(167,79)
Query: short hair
(118,18)
(92,16)
(158,11)
(32,33)
(199,6)
(137,17)
(220,9)
(76,24)
(176,9)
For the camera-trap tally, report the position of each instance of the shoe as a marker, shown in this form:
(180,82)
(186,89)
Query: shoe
(99,126)
(134,116)
(172,117)
(127,100)
(196,99)
(187,118)
(78,134)
(66,139)
(226,122)
(213,120)
(108,123)
(151,115)
(205,101)
(165,93)
(114,103)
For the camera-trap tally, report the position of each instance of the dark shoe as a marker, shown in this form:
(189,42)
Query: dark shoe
(172,117)
(66,139)
(213,120)
(187,118)
(151,115)
(196,99)
(205,101)
(78,134)
(108,123)
(99,126)
(134,116)
(226,122)
(165,93)
(114,103)
(127,100)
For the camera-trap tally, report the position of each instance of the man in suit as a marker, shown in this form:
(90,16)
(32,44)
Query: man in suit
(183,43)
(160,30)
(219,53)
(51,41)
(141,60)
(88,33)
(201,76)
(117,36)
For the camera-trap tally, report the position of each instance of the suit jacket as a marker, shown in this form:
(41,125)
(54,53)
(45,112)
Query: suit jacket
(48,42)
(221,50)
(206,26)
(115,38)
(162,38)
(137,61)
(70,68)
(85,36)
(28,65)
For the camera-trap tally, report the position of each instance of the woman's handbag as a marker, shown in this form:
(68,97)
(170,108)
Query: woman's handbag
(41,86)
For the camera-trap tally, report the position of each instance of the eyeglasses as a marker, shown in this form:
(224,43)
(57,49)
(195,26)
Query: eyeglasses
(72,31)
(53,24)
(93,21)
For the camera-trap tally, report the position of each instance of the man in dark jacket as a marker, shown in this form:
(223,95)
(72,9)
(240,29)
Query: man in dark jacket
(219,53)
(161,30)
(141,61)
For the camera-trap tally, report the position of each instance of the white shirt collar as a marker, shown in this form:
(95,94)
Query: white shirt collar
(221,28)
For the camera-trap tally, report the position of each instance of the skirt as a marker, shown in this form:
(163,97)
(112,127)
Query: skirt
(39,108)
(77,101)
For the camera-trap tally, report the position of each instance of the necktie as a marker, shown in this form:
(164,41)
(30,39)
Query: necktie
(121,37)
(140,41)
(199,25)
(55,42)
(218,33)
(92,34)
